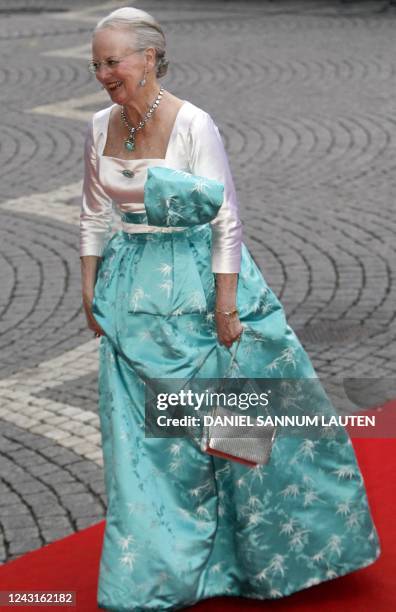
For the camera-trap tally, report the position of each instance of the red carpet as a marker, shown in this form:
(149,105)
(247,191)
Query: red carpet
(71,564)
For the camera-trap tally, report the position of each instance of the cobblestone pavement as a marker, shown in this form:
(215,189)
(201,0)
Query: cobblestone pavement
(304,95)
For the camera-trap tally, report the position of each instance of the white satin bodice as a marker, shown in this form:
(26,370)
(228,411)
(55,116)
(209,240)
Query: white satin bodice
(195,146)
(127,191)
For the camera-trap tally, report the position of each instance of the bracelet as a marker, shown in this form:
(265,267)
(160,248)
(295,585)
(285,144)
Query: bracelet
(228,313)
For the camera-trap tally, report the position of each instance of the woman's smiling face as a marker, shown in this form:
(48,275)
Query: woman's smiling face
(124,63)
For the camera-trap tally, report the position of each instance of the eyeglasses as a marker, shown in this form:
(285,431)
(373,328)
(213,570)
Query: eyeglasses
(111,63)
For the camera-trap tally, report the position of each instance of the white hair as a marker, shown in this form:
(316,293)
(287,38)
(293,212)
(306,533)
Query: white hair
(147,32)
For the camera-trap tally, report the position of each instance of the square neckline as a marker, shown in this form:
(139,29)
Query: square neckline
(139,159)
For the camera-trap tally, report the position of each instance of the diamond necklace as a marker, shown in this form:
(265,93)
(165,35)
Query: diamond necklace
(129,143)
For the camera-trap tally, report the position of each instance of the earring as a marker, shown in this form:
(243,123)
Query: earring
(142,82)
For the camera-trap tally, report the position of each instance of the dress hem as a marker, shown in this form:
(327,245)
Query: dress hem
(240,593)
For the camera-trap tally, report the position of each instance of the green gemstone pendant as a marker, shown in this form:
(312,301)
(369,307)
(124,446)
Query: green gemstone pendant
(129,145)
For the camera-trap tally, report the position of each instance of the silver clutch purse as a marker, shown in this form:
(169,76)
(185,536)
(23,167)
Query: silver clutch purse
(249,445)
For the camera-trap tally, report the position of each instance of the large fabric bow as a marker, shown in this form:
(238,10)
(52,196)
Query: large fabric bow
(175,198)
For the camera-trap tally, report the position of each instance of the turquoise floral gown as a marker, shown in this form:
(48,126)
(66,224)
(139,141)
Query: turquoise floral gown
(183,525)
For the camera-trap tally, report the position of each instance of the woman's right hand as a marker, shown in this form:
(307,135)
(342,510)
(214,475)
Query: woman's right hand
(91,321)
(89,268)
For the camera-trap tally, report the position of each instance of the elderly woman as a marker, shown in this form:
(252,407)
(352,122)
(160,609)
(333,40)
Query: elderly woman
(169,294)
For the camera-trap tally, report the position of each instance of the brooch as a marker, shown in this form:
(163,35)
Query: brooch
(128,173)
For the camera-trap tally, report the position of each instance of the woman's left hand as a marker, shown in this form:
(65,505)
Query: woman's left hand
(228,328)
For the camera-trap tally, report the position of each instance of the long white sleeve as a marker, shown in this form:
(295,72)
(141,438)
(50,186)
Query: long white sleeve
(209,159)
(97,207)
